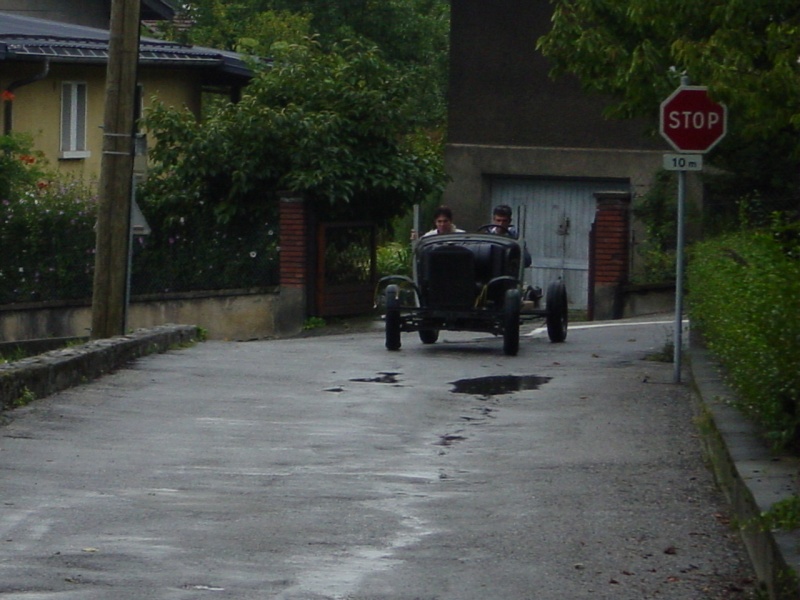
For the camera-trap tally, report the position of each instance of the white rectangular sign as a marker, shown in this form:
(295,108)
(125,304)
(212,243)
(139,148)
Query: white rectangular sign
(683,162)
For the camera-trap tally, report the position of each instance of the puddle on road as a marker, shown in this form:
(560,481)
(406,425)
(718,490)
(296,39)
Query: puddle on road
(495,385)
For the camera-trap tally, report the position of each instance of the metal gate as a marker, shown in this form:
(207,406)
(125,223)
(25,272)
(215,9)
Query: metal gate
(558,216)
(344,282)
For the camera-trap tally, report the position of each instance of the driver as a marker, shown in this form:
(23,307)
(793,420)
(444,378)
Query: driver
(501,217)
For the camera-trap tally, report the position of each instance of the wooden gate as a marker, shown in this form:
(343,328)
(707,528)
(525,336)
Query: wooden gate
(345,269)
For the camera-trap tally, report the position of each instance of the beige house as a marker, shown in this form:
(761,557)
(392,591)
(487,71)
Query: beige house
(52,76)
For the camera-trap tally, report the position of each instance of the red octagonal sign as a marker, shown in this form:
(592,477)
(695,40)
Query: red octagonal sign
(691,121)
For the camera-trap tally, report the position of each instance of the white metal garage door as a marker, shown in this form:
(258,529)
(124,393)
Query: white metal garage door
(555,216)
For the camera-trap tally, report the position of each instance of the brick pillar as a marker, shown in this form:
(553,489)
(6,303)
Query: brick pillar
(610,256)
(293,242)
(294,265)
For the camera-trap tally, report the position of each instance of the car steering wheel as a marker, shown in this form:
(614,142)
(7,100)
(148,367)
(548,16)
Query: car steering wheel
(503,230)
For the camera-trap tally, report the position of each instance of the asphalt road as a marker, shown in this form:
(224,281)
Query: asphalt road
(329,468)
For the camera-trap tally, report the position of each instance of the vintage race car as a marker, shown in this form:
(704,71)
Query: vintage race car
(469,282)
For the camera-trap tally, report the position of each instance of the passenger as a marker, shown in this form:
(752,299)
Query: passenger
(443,222)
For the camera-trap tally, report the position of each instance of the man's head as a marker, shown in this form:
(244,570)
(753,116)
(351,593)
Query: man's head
(501,215)
(443,219)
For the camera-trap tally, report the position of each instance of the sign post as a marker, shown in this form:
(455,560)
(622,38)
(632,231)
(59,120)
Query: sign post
(692,123)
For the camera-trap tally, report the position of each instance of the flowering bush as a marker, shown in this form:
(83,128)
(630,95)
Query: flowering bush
(20,167)
(47,239)
(46,228)
(47,242)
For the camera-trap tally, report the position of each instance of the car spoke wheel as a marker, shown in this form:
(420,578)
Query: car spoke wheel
(392,318)
(557,312)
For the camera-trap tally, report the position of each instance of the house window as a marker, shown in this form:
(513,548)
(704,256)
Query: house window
(73,120)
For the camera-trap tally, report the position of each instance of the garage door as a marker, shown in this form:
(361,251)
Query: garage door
(555,216)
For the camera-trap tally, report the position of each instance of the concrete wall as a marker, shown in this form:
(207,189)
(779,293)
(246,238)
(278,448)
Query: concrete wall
(225,316)
(501,92)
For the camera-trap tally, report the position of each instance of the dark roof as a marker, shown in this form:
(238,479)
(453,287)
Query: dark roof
(25,38)
(157,9)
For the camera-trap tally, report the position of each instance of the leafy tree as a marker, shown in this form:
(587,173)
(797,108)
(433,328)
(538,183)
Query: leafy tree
(240,27)
(336,125)
(746,53)
(412,34)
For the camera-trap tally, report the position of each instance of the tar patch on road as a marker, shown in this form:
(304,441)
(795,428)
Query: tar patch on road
(384,377)
(495,385)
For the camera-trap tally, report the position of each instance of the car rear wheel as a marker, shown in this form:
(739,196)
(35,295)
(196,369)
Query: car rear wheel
(428,336)
(511,310)
(392,318)
(557,312)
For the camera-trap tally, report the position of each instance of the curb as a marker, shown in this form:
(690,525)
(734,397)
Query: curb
(751,477)
(39,376)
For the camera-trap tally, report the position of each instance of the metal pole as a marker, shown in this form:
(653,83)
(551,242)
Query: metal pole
(679,279)
(416,227)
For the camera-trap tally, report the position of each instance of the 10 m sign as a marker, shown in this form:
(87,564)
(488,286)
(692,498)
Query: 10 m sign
(683,162)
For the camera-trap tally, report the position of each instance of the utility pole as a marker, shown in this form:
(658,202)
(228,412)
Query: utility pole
(116,173)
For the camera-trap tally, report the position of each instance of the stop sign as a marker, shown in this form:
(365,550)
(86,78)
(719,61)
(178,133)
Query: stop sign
(692,122)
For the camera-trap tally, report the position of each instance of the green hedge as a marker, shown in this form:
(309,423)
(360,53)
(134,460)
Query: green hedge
(744,295)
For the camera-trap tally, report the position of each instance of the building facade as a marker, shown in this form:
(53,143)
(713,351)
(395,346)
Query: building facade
(517,137)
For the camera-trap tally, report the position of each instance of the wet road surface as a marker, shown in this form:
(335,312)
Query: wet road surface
(327,467)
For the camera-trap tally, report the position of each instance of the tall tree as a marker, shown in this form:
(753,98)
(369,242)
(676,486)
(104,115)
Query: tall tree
(334,124)
(746,52)
(413,35)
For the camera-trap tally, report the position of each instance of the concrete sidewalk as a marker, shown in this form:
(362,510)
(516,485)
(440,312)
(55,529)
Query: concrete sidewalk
(38,376)
(751,477)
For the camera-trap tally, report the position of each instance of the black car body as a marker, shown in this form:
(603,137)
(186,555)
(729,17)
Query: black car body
(468,282)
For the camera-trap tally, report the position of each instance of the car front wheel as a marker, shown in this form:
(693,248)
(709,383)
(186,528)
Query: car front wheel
(511,310)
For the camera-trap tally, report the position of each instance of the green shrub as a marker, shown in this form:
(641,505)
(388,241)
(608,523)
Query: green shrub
(394,258)
(189,249)
(745,298)
(658,211)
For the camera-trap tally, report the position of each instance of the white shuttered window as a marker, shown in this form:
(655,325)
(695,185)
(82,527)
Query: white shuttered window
(73,120)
